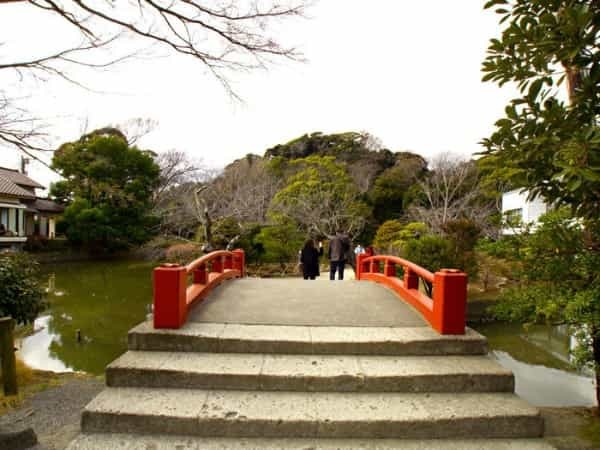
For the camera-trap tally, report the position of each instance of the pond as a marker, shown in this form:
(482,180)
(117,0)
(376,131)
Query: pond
(99,301)
(539,358)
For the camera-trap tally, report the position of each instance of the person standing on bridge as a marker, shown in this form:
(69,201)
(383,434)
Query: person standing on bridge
(338,247)
(309,257)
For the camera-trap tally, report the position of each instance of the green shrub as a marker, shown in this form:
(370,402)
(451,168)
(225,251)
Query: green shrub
(388,232)
(430,251)
(463,233)
(21,295)
(281,243)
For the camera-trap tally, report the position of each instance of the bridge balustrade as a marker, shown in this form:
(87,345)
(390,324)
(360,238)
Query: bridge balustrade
(444,310)
(174,295)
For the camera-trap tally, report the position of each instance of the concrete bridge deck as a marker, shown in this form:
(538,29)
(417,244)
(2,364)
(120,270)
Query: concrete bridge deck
(291,301)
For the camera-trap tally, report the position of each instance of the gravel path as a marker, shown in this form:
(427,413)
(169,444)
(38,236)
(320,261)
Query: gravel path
(55,413)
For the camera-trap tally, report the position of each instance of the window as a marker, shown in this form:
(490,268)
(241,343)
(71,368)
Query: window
(513,217)
(4,217)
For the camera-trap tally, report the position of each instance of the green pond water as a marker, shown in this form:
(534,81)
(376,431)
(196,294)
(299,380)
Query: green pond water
(101,299)
(104,299)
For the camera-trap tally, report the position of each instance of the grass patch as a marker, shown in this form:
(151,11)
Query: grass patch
(29,381)
(591,430)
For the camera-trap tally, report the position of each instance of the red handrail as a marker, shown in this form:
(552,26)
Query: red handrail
(445,311)
(173,297)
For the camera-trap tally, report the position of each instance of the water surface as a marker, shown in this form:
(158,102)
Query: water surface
(102,300)
(539,358)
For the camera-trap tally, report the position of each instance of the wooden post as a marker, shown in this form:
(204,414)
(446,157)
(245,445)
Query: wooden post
(411,279)
(389,269)
(449,301)
(239,261)
(374,266)
(7,352)
(200,275)
(360,265)
(170,302)
(217,265)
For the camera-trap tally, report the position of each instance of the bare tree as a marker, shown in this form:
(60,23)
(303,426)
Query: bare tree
(451,192)
(180,178)
(19,129)
(364,174)
(137,128)
(243,191)
(225,37)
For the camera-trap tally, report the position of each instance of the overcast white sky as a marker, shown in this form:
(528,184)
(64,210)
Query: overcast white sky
(406,71)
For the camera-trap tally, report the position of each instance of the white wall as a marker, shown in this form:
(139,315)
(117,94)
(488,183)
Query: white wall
(530,210)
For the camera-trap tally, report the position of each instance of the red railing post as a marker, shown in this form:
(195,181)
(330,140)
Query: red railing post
(389,269)
(449,301)
(228,262)
(200,275)
(361,266)
(411,279)
(217,264)
(374,266)
(239,261)
(170,307)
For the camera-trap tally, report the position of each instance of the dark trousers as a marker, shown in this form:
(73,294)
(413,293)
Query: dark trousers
(339,266)
(311,277)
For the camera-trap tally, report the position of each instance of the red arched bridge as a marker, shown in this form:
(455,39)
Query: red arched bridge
(439,297)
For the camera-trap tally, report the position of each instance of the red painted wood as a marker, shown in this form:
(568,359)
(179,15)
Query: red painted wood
(173,297)
(170,308)
(445,312)
(449,300)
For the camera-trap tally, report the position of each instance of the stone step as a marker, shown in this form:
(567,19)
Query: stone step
(99,441)
(257,371)
(236,338)
(324,415)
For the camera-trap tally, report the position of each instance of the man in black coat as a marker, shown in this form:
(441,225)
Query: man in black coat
(338,248)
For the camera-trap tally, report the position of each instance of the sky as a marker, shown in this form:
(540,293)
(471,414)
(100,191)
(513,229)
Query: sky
(406,71)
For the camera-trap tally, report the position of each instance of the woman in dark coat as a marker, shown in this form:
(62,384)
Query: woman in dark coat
(309,257)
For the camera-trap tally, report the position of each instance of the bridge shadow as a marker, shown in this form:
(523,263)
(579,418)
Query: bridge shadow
(292,301)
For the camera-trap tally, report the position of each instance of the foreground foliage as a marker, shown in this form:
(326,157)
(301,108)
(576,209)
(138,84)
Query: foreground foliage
(21,295)
(551,147)
(558,282)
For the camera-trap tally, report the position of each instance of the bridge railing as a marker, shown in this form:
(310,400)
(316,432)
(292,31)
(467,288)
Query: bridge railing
(444,310)
(174,295)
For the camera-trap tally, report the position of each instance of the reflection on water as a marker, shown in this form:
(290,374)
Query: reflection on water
(35,349)
(102,300)
(539,358)
(543,386)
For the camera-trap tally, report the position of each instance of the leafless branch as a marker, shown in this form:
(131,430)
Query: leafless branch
(452,191)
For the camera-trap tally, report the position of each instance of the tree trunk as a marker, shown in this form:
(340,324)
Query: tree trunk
(573,81)
(596,350)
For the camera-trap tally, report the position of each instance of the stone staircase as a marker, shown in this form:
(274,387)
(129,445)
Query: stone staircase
(210,385)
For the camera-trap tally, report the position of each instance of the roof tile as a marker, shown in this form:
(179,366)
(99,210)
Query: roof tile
(7,187)
(19,178)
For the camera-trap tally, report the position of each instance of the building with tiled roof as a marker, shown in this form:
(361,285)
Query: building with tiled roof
(22,213)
